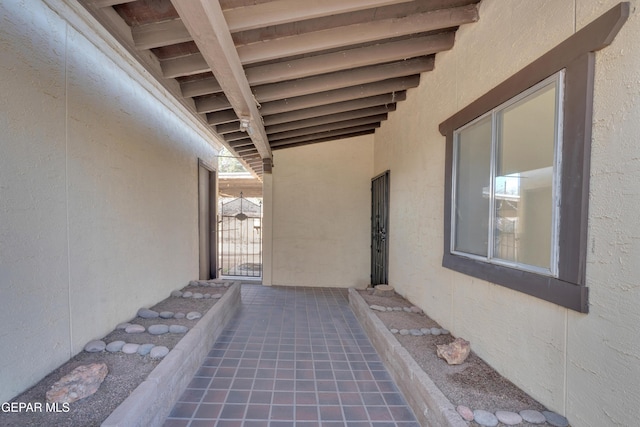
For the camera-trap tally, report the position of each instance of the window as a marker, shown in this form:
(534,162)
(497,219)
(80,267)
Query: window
(517,173)
(506,182)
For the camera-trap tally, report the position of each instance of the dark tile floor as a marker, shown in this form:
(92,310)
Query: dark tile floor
(292,357)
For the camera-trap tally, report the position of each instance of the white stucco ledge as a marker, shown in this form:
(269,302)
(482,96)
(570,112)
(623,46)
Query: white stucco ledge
(151,402)
(429,404)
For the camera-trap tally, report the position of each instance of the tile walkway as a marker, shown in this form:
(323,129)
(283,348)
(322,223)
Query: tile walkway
(292,357)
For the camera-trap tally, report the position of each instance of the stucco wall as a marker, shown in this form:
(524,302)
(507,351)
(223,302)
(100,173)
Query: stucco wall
(321,214)
(98,194)
(584,366)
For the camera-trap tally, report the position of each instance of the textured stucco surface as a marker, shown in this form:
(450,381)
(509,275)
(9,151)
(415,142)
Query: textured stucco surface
(321,214)
(584,366)
(98,194)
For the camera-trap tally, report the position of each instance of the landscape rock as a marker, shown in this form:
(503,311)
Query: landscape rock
(508,418)
(485,418)
(465,413)
(130,348)
(397,308)
(193,315)
(95,346)
(384,291)
(178,329)
(193,283)
(416,332)
(533,417)
(407,309)
(134,329)
(216,296)
(444,331)
(176,293)
(179,315)
(377,307)
(415,309)
(197,295)
(158,352)
(394,330)
(166,314)
(425,331)
(435,331)
(115,346)
(158,329)
(404,332)
(144,349)
(454,353)
(145,313)
(206,296)
(80,383)
(123,326)
(555,420)
(187,294)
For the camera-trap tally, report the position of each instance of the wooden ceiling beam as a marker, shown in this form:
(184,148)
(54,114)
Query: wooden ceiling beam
(201,87)
(285,11)
(324,139)
(210,104)
(228,127)
(334,38)
(338,95)
(160,34)
(331,118)
(339,107)
(184,66)
(342,79)
(221,117)
(234,136)
(369,120)
(330,134)
(109,3)
(350,58)
(206,22)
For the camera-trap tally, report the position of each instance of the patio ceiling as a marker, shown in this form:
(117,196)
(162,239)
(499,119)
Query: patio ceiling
(272,74)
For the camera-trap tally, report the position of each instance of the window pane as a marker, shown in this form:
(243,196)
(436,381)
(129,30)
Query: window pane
(473,171)
(523,229)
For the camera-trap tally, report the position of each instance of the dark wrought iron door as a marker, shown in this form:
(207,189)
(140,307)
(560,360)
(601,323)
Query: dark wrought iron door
(379,229)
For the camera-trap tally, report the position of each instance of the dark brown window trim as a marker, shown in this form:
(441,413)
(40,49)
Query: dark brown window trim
(576,56)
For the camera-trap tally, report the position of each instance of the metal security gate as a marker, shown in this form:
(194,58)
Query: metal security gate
(379,229)
(240,238)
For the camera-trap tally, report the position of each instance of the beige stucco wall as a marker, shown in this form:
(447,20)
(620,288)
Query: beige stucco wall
(98,193)
(320,214)
(583,366)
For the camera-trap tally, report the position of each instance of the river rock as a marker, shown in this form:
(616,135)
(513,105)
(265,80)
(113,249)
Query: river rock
(508,418)
(415,309)
(145,313)
(435,331)
(115,346)
(95,346)
(404,332)
(555,420)
(454,353)
(130,348)
(176,293)
(134,329)
(394,330)
(193,315)
(178,329)
(216,296)
(179,315)
(158,329)
(485,418)
(158,352)
(193,283)
(197,295)
(377,307)
(416,332)
(465,412)
(187,294)
(144,349)
(122,326)
(80,383)
(166,314)
(533,417)
(425,331)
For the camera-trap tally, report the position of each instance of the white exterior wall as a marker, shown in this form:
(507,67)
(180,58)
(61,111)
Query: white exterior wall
(584,366)
(320,215)
(98,192)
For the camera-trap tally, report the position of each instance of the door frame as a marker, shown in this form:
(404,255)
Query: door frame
(385,194)
(207,221)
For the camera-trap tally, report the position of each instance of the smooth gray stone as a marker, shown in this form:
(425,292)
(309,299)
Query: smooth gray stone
(206,296)
(397,308)
(95,346)
(166,314)
(533,417)
(158,329)
(158,352)
(555,420)
(435,331)
(193,315)
(144,349)
(394,331)
(123,325)
(485,418)
(416,332)
(444,331)
(404,332)
(145,313)
(179,315)
(377,307)
(197,295)
(415,309)
(216,296)
(178,329)
(130,348)
(425,331)
(115,346)
(134,329)
(176,293)
(407,309)
(193,283)
(187,294)
(509,418)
